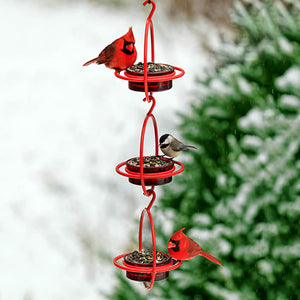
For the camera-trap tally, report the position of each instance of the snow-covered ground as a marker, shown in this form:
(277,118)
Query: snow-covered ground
(63,129)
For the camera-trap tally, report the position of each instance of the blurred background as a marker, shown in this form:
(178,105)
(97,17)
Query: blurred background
(64,210)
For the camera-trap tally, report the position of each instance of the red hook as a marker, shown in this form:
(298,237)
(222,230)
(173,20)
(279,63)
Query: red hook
(148,23)
(147,209)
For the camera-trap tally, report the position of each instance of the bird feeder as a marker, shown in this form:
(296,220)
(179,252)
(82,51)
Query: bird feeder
(148,171)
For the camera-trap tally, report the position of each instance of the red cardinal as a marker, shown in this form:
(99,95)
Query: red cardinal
(182,247)
(119,55)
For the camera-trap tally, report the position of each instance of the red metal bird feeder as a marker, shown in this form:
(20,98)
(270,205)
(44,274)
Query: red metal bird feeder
(149,170)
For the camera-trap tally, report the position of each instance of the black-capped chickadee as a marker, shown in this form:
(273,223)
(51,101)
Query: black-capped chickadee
(172,147)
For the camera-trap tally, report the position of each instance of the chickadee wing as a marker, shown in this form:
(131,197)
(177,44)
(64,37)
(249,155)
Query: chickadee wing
(182,147)
(178,146)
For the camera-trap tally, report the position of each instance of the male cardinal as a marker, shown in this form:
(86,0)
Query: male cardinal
(172,147)
(182,247)
(118,55)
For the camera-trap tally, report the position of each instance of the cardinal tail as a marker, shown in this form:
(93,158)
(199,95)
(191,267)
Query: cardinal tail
(210,257)
(90,61)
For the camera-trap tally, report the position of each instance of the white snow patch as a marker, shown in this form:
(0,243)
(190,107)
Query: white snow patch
(225,272)
(262,157)
(238,202)
(285,45)
(253,120)
(287,252)
(290,79)
(201,219)
(220,292)
(219,87)
(251,142)
(289,102)
(259,249)
(264,267)
(199,234)
(244,86)
(291,209)
(252,211)
(265,228)
(221,179)
(216,113)
(224,246)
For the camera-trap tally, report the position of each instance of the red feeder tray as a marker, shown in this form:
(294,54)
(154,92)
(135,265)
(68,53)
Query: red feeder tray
(159,81)
(155,86)
(144,272)
(137,276)
(151,178)
(151,164)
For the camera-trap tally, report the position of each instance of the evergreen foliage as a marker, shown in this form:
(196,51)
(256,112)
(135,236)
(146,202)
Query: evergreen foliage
(239,195)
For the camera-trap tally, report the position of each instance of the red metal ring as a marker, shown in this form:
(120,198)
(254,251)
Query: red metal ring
(158,175)
(171,76)
(137,269)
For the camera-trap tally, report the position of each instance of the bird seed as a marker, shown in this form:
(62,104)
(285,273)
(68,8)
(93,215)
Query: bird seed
(149,161)
(144,257)
(151,68)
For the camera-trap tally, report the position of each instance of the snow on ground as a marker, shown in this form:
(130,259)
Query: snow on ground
(63,129)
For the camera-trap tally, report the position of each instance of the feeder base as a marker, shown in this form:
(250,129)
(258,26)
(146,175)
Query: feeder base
(149,182)
(146,276)
(162,71)
(151,164)
(144,259)
(157,86)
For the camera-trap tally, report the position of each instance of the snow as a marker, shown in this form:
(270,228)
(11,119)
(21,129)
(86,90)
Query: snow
(222,293)
(63,129)
(285,45)
(198,235)
(224,246)
(201,219)
(253,120)
(266,229)
(290,209)
(264,267)
(290,79)
(288,252)
(251,142)
(221,179)
(216,112)
(244,86)
(219,87)
(259,249)
(289,102)
(262,158)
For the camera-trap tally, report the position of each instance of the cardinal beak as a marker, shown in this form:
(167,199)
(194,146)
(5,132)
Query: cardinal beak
(130,47)
(171,245)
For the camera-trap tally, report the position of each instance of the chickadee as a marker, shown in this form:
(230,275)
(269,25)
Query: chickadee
(172,147)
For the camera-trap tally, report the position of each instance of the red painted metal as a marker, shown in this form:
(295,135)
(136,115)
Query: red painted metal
(148,22)
(130,174)
(145,277)
(173,265)
(141,175)
(177,73)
